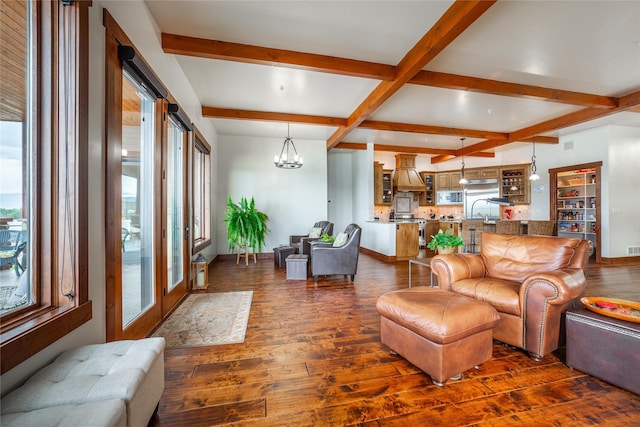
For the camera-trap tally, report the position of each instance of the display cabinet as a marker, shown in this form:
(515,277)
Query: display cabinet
(514,184)
(428,196)
(382,184)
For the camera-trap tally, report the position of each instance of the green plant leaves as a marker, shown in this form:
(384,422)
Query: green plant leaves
(245,225)
(445,240)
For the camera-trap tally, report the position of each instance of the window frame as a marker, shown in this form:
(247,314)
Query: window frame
(59,243)
(200,146)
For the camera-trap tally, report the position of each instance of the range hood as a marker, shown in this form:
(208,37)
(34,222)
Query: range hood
(405,177)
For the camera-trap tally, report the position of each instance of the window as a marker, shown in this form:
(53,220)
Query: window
(201,192)
(43,82)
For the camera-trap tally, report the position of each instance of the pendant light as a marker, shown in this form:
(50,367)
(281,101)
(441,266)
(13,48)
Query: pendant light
(534,175)
(287,160)
(463,180)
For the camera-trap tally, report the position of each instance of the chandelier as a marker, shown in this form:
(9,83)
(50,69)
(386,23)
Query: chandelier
(288,158)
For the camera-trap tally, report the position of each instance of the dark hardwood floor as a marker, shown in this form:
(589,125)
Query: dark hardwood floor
(312,357)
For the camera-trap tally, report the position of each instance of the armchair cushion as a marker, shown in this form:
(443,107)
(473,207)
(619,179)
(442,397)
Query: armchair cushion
(341,239)
(315,232)
(510,259)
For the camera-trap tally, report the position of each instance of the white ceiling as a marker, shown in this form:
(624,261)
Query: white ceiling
(591,47)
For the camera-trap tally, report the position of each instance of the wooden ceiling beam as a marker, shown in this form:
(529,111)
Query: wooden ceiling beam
(215,49)
(431,130)
(494,87)
(231,113)
(266,116)
(625,103)
(450,25)
(407,149)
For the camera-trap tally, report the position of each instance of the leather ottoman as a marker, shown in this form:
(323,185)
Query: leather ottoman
(442,333)
(604,347)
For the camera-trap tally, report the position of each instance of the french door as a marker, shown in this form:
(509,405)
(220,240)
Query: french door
(145,206)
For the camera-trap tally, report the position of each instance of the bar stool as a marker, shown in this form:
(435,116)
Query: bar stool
(472,230)
(540,228)
(507,226)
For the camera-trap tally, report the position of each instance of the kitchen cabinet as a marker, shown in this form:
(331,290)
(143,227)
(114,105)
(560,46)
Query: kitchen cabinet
(428,196)
(382,184)
(407,241)
(577,204)
(515,185)
(442,181)
(448,181)
(454,180)
(431,229)
(481,173)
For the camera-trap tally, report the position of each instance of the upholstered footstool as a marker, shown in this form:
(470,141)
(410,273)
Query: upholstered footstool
(297,267)
(442,333)
(119,382)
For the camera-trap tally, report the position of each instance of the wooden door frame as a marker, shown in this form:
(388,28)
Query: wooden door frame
(170,299)
(553,199)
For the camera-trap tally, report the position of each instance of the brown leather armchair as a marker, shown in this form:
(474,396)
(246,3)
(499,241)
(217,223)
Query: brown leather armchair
(529,280)
(328,259)
(301,241)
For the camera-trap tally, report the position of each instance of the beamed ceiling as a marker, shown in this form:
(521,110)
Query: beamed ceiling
(409,76)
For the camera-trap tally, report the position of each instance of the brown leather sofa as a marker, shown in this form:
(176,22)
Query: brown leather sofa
(529,280)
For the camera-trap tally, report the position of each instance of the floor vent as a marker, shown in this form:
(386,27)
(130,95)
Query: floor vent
(633,250)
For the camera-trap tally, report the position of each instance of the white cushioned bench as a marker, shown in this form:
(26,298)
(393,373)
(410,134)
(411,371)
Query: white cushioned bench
(120,383)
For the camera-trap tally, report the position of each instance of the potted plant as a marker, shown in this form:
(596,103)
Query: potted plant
(445,243)
(246,226)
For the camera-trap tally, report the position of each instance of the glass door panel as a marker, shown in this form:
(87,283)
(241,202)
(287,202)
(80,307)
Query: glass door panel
(175,207)
(137,201)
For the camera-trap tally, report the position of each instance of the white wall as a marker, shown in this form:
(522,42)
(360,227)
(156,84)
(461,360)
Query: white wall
(133,18)
(294,199)
(623,190)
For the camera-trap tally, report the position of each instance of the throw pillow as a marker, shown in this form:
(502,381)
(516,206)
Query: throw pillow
(315,232)
(341,239)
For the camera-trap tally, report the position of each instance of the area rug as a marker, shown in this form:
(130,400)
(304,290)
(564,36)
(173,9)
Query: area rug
(208,319)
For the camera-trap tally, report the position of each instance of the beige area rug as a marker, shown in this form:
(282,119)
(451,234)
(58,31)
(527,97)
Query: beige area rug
(208,319)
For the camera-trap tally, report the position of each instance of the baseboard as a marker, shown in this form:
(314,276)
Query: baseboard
(377,255)
(626,260)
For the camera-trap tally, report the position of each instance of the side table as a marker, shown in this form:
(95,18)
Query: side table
(604,347)
(281,253)
(424,264)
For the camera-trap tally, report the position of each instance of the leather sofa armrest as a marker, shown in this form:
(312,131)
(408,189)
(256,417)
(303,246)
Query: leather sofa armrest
(543,299)
(451,268)
(558,286)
